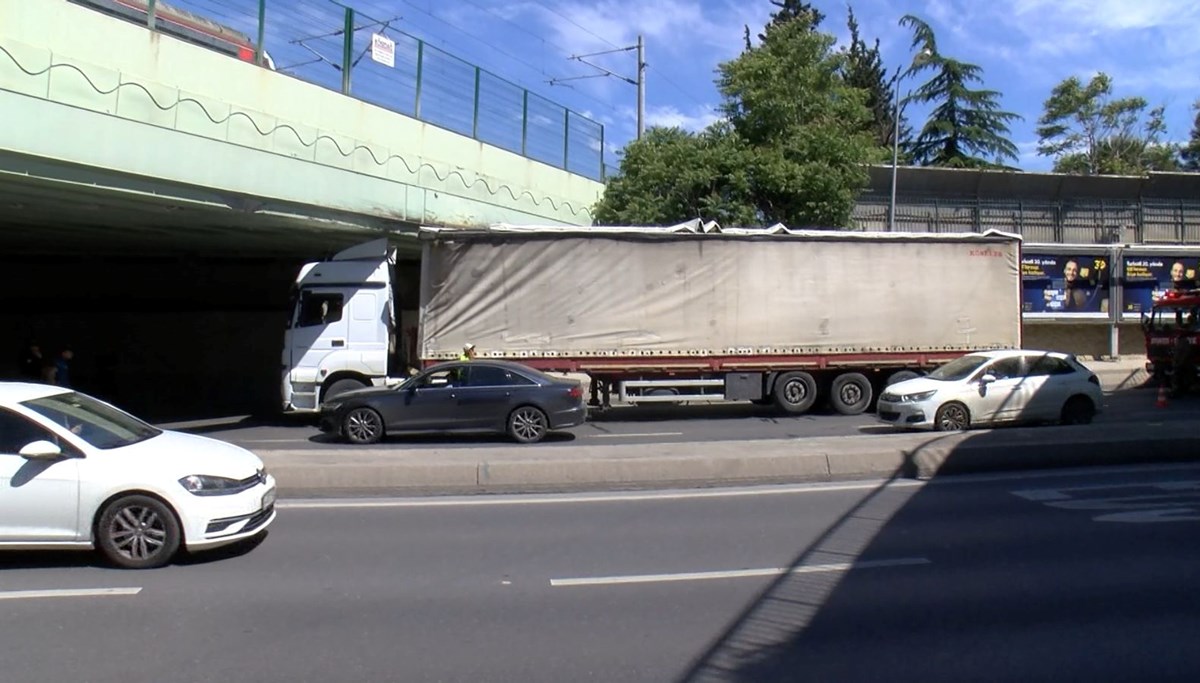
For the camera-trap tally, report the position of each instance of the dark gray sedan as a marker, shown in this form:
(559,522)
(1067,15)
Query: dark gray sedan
(476,395)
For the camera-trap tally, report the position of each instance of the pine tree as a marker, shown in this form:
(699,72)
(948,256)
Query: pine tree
(864,70)
(1190,154)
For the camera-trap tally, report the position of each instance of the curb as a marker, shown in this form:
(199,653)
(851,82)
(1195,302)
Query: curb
(517,469)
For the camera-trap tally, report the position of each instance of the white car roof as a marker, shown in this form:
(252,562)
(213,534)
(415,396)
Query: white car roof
(16,392)
(1009,353)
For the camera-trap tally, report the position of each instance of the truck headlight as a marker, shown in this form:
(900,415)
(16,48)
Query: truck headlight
(919,396)
(206,485)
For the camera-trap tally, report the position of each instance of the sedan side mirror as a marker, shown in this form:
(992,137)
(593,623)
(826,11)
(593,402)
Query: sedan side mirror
(40,450)
(987,379)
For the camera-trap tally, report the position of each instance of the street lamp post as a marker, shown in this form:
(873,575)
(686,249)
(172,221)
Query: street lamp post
(920,59)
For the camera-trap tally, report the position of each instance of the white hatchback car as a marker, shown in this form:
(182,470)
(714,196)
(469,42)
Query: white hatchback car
(76,472)
(993,387)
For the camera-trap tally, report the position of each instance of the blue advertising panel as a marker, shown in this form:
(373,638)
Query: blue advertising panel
(1064,284)
(1148,276)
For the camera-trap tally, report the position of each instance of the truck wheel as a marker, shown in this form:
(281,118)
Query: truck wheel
(851,393)
(795,392)
(901,376)
(340,387)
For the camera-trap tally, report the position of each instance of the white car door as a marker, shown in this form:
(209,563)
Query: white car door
(1050,384)
(39,499)
(1000,399)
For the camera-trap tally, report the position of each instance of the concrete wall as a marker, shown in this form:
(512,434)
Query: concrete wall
(159,107)
(1084,339)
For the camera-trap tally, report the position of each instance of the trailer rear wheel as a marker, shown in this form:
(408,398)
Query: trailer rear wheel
(795,392)
(851,393)
(901,376)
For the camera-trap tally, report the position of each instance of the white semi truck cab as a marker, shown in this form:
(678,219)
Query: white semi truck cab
(341,331)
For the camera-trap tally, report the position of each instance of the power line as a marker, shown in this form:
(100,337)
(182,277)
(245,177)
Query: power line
(511,56)
(571,21)
(681,91)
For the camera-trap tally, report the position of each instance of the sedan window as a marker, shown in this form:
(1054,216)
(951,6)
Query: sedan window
(493,376)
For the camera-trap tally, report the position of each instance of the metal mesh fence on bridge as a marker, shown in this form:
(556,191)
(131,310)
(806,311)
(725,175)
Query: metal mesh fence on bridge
(330,44)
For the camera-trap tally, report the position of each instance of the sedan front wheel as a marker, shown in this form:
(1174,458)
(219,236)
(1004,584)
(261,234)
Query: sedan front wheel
(363,426)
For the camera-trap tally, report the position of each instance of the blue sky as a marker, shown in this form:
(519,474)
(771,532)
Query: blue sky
(1149,47)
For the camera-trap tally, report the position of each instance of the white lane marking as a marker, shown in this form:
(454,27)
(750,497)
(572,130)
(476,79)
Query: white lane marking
(620,436)
(68,593)
(590,498)
(737,574)
(1137,503)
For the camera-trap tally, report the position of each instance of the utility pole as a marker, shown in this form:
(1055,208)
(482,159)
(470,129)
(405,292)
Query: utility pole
(640,81)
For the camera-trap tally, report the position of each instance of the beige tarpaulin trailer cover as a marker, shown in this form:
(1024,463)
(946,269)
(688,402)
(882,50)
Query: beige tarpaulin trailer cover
(698,290)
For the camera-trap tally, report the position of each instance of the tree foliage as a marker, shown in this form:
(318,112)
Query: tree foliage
(864,70)
(1190,154)
(966,127)
(1090,132)
(792,148)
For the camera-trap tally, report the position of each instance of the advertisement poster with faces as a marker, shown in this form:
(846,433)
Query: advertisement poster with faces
(1057,284)
(1148,277)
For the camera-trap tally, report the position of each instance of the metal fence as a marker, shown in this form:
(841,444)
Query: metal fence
(330,44)
(1146,221)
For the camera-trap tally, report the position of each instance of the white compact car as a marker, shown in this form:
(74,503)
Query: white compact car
(76,472)
(995,387)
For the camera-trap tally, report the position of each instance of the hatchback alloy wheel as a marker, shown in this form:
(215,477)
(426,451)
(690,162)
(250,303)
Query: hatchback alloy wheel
(138,532)
(952,417)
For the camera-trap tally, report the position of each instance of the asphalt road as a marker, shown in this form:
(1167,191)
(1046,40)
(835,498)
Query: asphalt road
(1065,576)
(665,424)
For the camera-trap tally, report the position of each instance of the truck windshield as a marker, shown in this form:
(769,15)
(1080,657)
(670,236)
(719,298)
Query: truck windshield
(957,369)
(97,423)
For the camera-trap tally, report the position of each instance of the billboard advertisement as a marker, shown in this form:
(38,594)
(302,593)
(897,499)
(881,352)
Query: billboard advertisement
(1147,276)
(1064,284)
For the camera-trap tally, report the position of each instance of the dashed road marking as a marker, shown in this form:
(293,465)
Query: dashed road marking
(68,593)
(735,574)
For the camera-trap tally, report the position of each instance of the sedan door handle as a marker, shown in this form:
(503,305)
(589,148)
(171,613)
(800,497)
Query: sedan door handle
(338,342)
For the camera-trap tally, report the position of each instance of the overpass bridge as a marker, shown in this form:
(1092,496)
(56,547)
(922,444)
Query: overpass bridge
(157,196)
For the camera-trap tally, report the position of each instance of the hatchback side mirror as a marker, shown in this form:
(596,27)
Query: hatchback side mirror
(40,450)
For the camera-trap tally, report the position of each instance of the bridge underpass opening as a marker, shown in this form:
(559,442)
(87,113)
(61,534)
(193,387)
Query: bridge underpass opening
(173,305)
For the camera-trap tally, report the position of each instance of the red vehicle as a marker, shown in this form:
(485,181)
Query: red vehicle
(1173,339)
(181,24)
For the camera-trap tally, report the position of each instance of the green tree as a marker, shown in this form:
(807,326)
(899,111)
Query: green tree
(793,147)
(787,98)
(671,175)
(1190,154)
(1090,132)
(791,10)
(966,127)
(864,70)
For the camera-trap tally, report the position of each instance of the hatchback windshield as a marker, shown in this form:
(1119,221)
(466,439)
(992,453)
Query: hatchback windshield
(958,369)
(99,424)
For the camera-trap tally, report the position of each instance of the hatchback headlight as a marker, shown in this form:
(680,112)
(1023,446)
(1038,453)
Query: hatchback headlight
(206,485)
(919,396)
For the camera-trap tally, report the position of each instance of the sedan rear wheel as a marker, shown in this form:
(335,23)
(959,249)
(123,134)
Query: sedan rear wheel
(952,417)
(138,532)
(363,426)
(528,424)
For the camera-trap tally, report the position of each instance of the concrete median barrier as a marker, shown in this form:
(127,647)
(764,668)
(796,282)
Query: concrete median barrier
(554,467)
